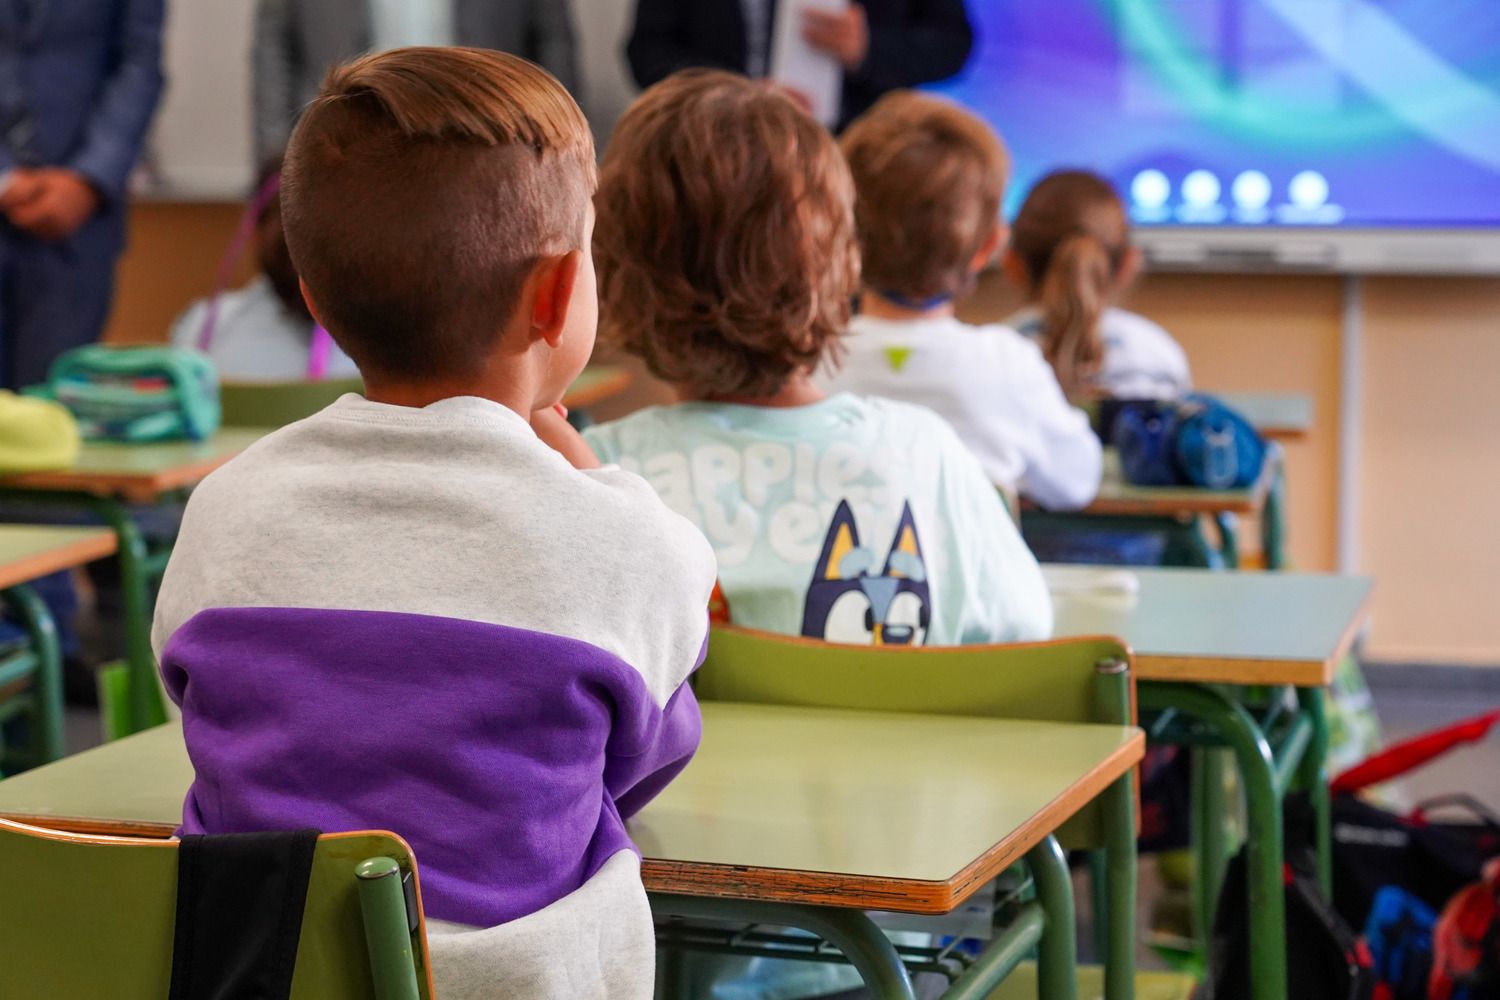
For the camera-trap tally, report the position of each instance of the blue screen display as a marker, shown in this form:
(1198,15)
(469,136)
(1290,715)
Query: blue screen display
(1314,113)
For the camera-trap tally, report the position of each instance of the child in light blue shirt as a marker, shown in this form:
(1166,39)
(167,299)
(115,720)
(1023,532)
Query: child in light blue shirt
(844,518)
(727,261)
(850,519)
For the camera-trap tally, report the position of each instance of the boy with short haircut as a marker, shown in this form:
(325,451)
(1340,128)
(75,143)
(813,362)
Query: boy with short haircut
(408,612)
(929,178)
(727,262)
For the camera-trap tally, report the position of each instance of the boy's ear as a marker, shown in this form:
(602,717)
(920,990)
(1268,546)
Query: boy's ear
(989,248)
(553,292)
(312,307)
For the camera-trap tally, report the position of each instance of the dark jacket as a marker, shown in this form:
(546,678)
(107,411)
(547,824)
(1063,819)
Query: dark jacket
(298,41)
(911,42)
(88,73)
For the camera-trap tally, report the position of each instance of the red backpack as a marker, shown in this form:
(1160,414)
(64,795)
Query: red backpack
(1466,943)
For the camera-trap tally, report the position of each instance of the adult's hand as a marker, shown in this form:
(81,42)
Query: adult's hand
(845,35)
(49,202)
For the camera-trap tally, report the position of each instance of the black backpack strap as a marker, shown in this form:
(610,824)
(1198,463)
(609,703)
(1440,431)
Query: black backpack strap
(239,914)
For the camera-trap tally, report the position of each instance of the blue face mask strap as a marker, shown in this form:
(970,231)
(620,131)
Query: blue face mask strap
(915,305)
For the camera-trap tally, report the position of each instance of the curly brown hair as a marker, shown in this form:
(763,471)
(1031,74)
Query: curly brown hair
(725,236)
(928,177)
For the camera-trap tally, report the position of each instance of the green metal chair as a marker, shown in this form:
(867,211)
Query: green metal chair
(1076,681)
(91,916)
(276,404)
(31,683)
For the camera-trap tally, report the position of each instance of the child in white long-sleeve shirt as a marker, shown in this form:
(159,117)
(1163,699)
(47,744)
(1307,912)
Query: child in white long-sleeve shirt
(929,178)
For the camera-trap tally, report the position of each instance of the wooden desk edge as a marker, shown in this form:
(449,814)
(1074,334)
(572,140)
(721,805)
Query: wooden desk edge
(144,829)
(868,892)
(77,553)
(130,486)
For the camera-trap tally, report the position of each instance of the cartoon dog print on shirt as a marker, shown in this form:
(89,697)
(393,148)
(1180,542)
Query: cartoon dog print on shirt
(853,599)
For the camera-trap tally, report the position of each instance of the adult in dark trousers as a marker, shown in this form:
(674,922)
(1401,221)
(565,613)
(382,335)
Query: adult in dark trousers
(882,45)
(79,81)
(297,41)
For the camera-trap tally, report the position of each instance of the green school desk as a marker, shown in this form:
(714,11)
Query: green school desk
(595,384)
(1203,643)
(1282,416)
(103,481)
(1176,510)
(790,816)
(28,552)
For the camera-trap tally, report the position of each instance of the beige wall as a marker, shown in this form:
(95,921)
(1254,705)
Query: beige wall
(1430,451)
(1430,481)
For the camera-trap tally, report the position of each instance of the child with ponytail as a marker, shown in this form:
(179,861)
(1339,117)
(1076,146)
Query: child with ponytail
(1070,252)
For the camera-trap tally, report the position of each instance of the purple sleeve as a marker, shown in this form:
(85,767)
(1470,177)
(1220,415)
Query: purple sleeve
(650,751)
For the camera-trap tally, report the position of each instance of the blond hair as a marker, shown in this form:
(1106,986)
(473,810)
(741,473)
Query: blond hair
(725,236)
(1072,236)
(420,189)
(928,180)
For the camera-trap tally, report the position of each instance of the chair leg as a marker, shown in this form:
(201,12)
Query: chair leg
(146,706)
(47,695)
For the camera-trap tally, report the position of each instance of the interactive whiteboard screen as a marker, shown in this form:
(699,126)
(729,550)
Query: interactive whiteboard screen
(1302,132)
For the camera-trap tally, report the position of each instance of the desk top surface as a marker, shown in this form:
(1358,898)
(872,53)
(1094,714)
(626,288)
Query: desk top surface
(1216,627)
(859,809)
(1118,497)
(1274,414)
(29,551)
(141,471)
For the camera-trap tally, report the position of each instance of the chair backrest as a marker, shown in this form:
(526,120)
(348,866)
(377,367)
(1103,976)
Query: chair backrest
(90,916)
(1072,680)
(276,404)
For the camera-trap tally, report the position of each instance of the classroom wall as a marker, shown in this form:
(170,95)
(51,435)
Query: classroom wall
(1428,453)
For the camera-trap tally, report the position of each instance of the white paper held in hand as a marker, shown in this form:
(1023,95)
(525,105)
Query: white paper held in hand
(798,66)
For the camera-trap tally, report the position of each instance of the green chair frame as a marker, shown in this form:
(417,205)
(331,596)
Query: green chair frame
(31,679)
(93,916)
(276,404)
(1085,680)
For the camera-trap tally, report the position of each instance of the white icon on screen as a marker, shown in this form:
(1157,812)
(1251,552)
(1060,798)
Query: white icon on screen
(1151,189)
(1201,189)
(1251,191)
(1309,190)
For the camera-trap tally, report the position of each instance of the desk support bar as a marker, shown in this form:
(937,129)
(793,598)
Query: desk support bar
(1057,958)
(1113,695)
(1234,726)
(1313,777)
(850,931)
(1023,932)
(145,702)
